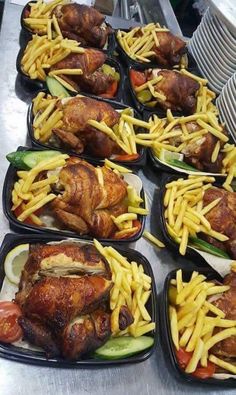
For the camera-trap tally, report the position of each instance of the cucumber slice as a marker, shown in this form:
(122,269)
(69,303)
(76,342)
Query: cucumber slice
(144,96)
(123,347)
(26,160)
(207,247)
(55,88)
(180,164)
(107,69)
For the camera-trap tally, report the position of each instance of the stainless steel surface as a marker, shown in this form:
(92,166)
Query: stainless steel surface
(149,11)
(149,377)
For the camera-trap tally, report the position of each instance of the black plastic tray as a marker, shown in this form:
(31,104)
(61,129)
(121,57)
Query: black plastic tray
(36,83)
(148,111)
(18,226)
(166,339)
(134,63)
(27,32)
(116,105)
(172,245)
(38,358)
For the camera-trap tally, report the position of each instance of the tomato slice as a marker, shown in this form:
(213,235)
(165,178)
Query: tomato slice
(183,357)
(205,373)
(10,330)
(136,223)
(111,91)
(137,78)
(28,220)
(126,157)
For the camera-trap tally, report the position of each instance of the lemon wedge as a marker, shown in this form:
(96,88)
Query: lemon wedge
(14,262)
(166,155)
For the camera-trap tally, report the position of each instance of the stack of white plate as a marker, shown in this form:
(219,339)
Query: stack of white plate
(226,103)
(213,46)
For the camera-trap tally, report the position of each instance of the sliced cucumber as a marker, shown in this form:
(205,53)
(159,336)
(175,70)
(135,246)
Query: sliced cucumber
(107,69)
(26,160)
(123,347)
(180,164)
(55,88)
(207,247)
(144,96)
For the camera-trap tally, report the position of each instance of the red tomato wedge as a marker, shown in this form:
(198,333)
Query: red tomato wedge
(137,77)
(111,91)
(126,157)
(28,220)
(184,357)
(10,330)
(136,223)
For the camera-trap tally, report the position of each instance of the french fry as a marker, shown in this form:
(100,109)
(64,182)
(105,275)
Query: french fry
(197,353)
(174,327)
(147,235)
(223,364)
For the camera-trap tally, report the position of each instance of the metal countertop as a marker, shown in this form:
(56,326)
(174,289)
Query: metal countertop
(150,377)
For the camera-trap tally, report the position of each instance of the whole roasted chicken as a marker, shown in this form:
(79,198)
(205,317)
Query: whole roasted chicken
(82,23)
(93,80)
(90,197)
(64,296)
(78,135)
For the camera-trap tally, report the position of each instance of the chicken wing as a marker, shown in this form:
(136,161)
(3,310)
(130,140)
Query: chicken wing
(82,23)
(179,90)
(86,200)
(222,217)
(78,135)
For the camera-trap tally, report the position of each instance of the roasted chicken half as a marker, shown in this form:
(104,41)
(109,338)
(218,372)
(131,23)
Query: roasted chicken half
(82,23)
(77,135)
(179,90)
(222,218)
(93,80)
(63,313)
(87,204)
(170,49)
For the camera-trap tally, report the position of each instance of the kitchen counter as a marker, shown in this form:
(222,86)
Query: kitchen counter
(150,377)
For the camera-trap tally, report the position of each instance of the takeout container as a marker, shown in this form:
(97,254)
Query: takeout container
(18,226)
(145,109)
(117,106)
(27,32)
(172,245)
(38,84)
(16,353)
(134,63)
(166,339)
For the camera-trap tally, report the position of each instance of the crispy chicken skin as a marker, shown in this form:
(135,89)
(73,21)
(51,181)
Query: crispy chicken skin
(78,135)
(92,80)
(55,301)
(227,303)
(170,49)
(179,90)
(59,259)
(222,217)
(86,206)
(82,23)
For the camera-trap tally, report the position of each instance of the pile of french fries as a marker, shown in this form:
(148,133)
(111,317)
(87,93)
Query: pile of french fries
(138,43)
(193,319)
(185,214)
(46,116)
(229,163)
(132,288)
(40,20)
(32,194)
(42,52)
